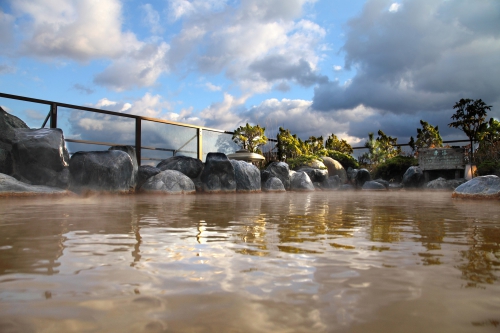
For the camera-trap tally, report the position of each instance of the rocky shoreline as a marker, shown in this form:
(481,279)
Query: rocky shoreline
(36,162)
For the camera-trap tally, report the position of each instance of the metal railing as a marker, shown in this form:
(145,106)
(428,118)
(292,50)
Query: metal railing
(52,119)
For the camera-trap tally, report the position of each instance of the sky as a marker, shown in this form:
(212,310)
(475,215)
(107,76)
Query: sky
(315,67)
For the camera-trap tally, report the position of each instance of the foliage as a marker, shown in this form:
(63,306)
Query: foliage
(314,146)
(250,137)
(345,159)
(469,117)
(488,153)
(412,144)
(428,136)
(394,168)
(489,133)
(380,149)
(333,143)
(301,160)
(289,146)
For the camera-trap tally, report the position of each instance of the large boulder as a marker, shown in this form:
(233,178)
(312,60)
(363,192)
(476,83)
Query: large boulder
(247,176)
(362,176)
(40,157)
(413,177)
(189,166)
(335,168)
(301,182)
(443,184)
(333,183)
(9,186)
(483,187)
(169,182)
(130,150)
(101,171)
(281,171)
(218,174)
(144,173)
(316,175)
(372,185)
(273,184)
(8,125)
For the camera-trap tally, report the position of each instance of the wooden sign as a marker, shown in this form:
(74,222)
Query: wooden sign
(441,158)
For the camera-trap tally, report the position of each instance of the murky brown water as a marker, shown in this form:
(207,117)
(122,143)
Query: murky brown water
(316,262)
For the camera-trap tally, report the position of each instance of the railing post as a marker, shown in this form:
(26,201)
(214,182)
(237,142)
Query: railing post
(138,140)
(200,144)
(53,115)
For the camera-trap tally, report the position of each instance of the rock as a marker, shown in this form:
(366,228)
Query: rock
(383,182)
(265,175)
(169,182)
(316,175)
(218,174)
(144,173)
(281,171)
(332,183)
(483,187)
(9,186)
(247,176)
(273,184)
(5,162)
(189,166)
(395,186)
(314,164)
(335,168)
(372,185)
(130,150)
(443,184)
(301,182)
(362,176)
(40,157)
(108,171)
(413,177)
(8,125)
(347,187)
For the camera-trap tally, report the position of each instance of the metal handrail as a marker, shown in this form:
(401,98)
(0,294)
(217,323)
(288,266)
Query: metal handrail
(52,115)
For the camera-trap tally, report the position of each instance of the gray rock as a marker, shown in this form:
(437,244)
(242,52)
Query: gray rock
(281,171)
(130,150)
(347,187)
(108,171)
(247,176)
(5,162)
(413,177)
(40,157)
(301,182)
(383,182)
(395,186)
(443,184)
(316,175)
(333,182)
(144,173)
(8,125)
(273,184)
(362,176)
(218,174)
(483,187)
(351,174)
(169,182)
(335,168)
(372,185)
(9,186)
(189,166)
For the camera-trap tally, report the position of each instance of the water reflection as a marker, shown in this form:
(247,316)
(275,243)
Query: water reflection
(293,262)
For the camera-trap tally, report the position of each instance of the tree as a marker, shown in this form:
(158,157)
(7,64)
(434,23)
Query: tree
(250,137)
(333,143)
(428,136)
(380,149)
(289,146)
(314,146)
(469,117)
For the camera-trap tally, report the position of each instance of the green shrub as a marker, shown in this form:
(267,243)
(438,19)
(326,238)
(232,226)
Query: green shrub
(344,159)
(394,168)
(302,160)
(488,168)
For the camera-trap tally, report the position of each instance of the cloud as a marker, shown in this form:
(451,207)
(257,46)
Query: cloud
(394,7)
(242,42)
(420,59)
(212,87)
(139,68)
(6,28)
(152,19)
(7,69)
(83,89)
